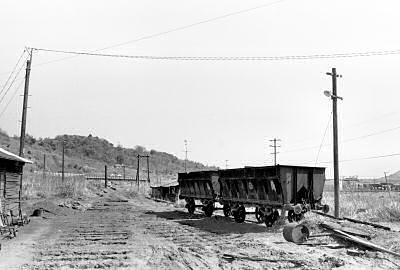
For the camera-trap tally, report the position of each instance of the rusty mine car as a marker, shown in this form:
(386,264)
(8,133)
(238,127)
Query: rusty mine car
(273,191)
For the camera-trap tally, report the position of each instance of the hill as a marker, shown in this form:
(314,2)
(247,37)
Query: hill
(90,154)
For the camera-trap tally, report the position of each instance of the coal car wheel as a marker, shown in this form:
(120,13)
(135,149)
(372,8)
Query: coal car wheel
(298,217)
(227,210)
(291,216)
(240,214)
(269,220)
(209,209)
(259,214)
(191,206)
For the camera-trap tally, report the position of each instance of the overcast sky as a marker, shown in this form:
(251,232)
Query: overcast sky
(227,110)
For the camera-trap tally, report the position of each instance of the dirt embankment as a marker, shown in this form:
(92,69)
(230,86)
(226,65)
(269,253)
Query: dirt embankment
(113,232)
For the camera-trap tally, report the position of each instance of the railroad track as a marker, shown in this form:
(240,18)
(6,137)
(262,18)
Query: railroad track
(99,238)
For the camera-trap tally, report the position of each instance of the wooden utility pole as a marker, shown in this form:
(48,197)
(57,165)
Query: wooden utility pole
(105,176)
(275,146)
(63,161)
(25,107)
(148,169)
(226,164)
(23,123)
(186,151)
(334,98)
(137,171)
(387,185)
(44,166)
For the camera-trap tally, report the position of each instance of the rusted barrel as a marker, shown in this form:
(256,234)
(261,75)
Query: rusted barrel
(296,233)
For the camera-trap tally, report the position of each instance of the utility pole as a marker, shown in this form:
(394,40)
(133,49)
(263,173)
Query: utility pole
(226,164)
(25,108)
(23,123)
(63,160)
(148,169)
(137,171)
(275,146)
(334,98)
(186,151)
(123,168)
(44,166)
(105,176)
(387,185)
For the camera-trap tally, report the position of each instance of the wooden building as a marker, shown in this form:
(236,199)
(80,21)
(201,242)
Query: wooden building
(11,167)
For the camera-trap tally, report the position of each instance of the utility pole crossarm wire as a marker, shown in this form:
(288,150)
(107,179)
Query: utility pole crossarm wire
(275,147)
(334,98)
(186,152)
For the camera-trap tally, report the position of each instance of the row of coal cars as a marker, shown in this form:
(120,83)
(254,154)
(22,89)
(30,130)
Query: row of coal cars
(270,191)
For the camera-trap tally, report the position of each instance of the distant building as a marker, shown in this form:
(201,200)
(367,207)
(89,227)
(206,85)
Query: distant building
(350,183)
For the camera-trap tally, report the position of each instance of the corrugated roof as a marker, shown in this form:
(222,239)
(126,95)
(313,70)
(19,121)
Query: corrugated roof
(4,154)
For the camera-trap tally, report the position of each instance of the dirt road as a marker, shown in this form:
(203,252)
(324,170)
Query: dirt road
(137,233)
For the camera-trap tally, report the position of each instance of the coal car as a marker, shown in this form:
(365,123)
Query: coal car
(273,191)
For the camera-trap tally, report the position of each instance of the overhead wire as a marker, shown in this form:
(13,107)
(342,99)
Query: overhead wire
(176,29)
(12,97)
(346,140)
(12,72)
(11,84)
(228,58)
(323,137)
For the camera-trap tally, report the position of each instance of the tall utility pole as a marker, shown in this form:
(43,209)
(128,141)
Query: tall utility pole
(387,185)
(23,123)
(334,98)
(186,151)
(44,166)
(148,169)
(275,146)
(25,107)
(63,161)
(138,169)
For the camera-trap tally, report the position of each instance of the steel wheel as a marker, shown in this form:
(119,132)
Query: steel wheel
(291,216)
(208,209)
(227,210)
(259,214)
(240,214)
(191,206)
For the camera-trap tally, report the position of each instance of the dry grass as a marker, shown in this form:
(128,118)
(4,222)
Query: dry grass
(37,185)
(371,206)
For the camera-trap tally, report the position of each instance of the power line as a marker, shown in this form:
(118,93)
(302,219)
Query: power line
(12,97)
(349,160)
(364,158)
(323,138)
(12,72)
(11,84)
(346,140)
(228,58)
(176,29)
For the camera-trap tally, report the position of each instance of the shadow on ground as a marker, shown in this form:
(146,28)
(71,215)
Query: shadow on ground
(214,224)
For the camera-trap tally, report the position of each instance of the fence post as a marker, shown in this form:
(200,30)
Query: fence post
(105,176)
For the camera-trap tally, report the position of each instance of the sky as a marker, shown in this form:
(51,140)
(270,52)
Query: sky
(226,110)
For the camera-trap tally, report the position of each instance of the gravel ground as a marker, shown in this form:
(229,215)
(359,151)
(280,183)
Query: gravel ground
(116,232)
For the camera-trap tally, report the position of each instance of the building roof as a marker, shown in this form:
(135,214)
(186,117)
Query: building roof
(169,184)
(4,154)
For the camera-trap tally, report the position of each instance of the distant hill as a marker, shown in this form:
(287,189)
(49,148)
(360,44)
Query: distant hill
(90,154)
